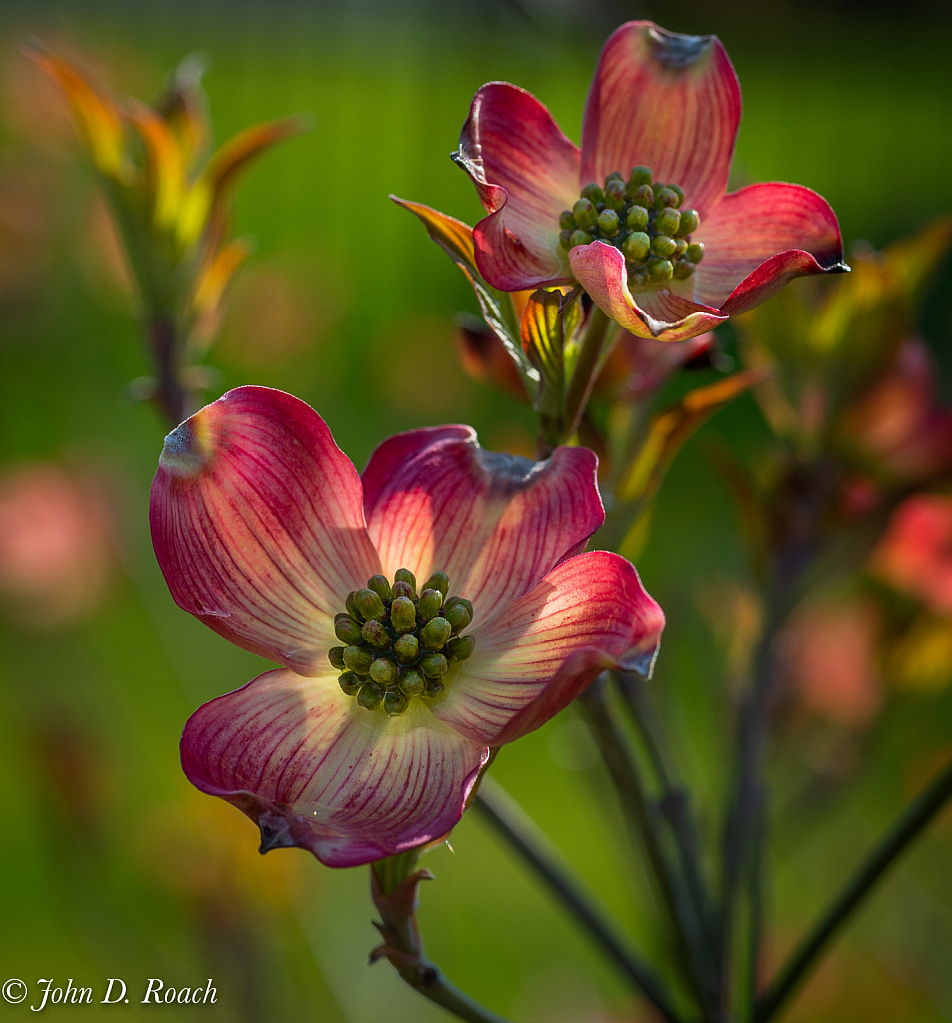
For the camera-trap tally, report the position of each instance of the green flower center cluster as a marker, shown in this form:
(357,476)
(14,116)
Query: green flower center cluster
(642,218)
(399,645)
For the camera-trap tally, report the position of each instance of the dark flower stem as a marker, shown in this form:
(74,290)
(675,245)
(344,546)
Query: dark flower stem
(673,802)
(643,817)
(911,822)
(431,983)
(393,886)
(510,821)
(803,501)
(583,376)
(170,394)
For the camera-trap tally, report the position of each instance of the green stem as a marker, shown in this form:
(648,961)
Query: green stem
(910,823)
(170,394)
(430,982)
(393,886)
(643,816)
(522,834)
(673,801)
(584,371)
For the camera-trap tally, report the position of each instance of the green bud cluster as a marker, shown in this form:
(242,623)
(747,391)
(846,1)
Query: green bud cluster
(397,643)
(641,217)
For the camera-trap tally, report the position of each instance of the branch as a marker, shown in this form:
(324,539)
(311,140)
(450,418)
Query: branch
(911,822)
(402,944)
(522,834)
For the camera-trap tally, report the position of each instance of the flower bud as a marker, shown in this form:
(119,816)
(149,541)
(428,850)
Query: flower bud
(593,194)
(636,247)
(434,687)
(667,222)
(637,219)
(349,682)
(458,617)
(402,589)
(384,671)
(454,601)
(376,635)
(336,656)
(394,702)
(662,245)
(614,176)
(351,604)
(412,682)
(567,221)
(380,586)
(346,629)
(665,197)
(615,194)
(644,196)
(461,648)
(370,696)
(638,277)
(585,214)
(403,614)
(659,270)
(565,239)
(358,659)
(406,648)
(370,605)
(404,575)
(683,269)
(679,193)
(580,238)
(690,222)
(435,633)
(682,247)
(608,223)
(429,604)
(695,252)
(439,581)
(434,665)
(639,176)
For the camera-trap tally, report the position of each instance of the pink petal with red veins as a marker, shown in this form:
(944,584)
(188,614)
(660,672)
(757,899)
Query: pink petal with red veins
(760,238)
(258,527)
(666,101)
(495,523)
(315,770)
(526,173)
(588,614)
(659,313)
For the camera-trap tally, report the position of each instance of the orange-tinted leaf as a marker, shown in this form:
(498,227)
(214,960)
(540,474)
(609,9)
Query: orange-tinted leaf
(543,337)
(501,311)
(214,279)
(165,163)
(211,190)
(452,235)
(672,428)
(96,114)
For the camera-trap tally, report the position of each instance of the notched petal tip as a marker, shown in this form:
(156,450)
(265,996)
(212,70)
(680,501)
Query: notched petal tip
(674,51)
(187,448)
(275,832)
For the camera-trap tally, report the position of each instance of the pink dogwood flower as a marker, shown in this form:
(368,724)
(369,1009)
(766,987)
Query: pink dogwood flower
(369,739)
(639,216)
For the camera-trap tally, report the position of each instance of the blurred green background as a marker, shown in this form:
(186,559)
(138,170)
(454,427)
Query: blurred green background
(111,866)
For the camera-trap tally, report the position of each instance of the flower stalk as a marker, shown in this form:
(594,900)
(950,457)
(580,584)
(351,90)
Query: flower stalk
(394,885)
(907,828)
(642,813)
(521,833)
